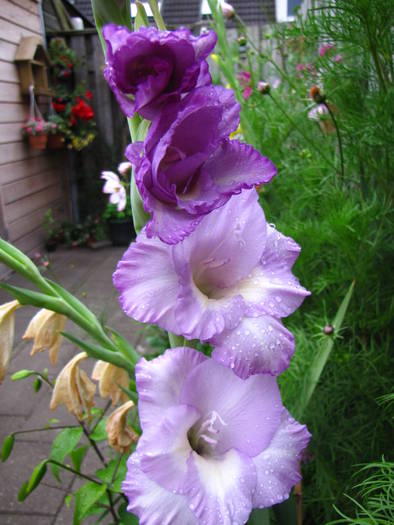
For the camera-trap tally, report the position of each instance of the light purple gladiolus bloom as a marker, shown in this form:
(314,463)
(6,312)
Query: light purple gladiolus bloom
(213,446)
(188,167)
(228,283)
(149,68)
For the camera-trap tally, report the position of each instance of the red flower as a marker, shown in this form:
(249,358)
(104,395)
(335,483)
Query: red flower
(58,106)
(89,94)
(82,110)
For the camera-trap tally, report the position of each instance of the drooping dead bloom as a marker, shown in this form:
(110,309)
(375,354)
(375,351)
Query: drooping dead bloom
(74,389)
(120,434)
(111,378)
(44,329)
(7,324)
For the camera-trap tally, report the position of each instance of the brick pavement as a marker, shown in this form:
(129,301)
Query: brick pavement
(86,273)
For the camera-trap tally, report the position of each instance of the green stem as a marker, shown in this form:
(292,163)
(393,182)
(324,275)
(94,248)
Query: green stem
(42,429)
(338,137)
(94,445)
(157,15)
(308,140)
(65,467)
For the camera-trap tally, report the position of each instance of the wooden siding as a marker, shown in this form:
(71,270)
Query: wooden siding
(30,181)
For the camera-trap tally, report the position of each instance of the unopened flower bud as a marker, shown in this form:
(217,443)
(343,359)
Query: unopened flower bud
(316,94)
(227,10)
(120,434)
(44,329)
(111,378)
(242,40)
(7,325)
(263,87)
(328,329)
(74,389)
(124,168)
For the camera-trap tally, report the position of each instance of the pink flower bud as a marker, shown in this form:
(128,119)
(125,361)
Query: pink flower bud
(227,10)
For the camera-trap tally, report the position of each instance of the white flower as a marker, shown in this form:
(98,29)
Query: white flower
(114,187)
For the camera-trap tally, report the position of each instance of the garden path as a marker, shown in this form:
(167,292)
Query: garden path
(88,274)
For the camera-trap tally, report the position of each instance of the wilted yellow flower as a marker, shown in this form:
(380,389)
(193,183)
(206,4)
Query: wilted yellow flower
(110,378)
(45,328)
(7,324)
(120,435)
(73,388)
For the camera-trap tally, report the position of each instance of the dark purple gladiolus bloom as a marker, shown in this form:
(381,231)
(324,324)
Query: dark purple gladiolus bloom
(229,283)
(213,446)
(188,167)
(148,68)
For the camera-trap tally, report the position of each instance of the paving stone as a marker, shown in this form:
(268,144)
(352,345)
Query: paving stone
(10,424)
(17,469)
(88,274)
(26,519)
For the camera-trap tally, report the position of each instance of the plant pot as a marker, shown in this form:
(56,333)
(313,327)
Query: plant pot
(121,231)
(55,141)
(51,245)
(38,141)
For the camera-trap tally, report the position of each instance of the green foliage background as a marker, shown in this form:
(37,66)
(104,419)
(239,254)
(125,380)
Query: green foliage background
(344,225)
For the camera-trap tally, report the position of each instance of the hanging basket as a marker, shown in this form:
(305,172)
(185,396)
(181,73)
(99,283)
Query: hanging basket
(55,141)
(38,141)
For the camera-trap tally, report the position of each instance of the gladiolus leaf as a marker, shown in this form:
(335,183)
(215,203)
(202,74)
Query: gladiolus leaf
(85,498)
(22,374)
(99,352)
(141,18)
(63,444)
(36,477)
(25,296)
(8,445)
(157,15)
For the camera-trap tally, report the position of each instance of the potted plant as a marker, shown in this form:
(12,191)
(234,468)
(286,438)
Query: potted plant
(63,58)
(118,211)
(55,137)
(49,225)
(74,117)
(36,130)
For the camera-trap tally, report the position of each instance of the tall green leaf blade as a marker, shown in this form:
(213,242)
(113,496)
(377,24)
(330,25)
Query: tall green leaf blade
(322,354)
(25,296)
(141,18)
(99,352)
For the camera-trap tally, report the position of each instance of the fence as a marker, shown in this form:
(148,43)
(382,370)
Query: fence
(112,132)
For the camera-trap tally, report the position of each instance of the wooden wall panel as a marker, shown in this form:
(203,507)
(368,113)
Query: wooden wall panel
(31,181)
